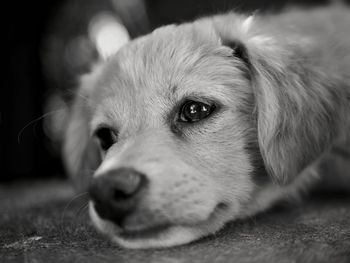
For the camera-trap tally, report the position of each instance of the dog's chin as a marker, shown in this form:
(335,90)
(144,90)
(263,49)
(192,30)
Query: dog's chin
(162,236)
(169,236)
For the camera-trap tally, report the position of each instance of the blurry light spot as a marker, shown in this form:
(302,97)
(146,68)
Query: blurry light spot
(107,34)
(78,53)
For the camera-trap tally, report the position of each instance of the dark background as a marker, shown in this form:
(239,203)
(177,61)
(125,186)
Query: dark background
(36,36)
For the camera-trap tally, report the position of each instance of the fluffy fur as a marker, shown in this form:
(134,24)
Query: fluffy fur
(282,83)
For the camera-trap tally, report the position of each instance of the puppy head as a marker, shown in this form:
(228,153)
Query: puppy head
(169,130)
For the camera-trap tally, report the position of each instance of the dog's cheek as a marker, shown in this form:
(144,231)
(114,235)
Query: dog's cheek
(224,159)
(258,174)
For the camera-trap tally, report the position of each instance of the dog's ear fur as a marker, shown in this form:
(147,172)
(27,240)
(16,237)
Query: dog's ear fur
(295,111)
(80,152)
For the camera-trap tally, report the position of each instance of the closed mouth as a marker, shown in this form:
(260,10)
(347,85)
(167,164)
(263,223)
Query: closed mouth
(156,231)
(151,232)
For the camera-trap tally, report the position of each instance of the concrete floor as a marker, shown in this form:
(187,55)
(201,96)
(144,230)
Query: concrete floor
(42,222)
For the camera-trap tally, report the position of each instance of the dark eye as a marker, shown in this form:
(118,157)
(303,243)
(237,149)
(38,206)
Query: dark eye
(193,111)
(106,137)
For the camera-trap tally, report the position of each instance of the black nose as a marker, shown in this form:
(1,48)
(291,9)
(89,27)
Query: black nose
(115,194)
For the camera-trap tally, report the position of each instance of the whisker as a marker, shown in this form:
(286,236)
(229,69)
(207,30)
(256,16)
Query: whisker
(67,206)
(34,121)
(82,210)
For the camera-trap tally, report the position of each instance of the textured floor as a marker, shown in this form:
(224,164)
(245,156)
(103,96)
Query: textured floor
(41,222)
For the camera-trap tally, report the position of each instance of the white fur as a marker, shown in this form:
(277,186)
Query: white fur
(282,86)
(247,23)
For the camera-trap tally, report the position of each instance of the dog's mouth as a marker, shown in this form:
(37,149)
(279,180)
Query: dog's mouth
(164,234)
(150,232)
(161,229)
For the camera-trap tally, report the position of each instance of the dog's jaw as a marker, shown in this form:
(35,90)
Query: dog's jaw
(169,237)
(163,236)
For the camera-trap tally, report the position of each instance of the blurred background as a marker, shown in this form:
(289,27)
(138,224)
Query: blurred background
(50,43)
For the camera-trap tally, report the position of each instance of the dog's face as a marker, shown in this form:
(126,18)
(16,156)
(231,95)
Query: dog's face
(170,126)
(182,124)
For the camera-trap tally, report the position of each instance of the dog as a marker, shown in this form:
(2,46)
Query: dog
(195,125)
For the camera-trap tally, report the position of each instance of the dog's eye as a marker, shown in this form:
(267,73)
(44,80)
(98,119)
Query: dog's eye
(106,137)
(193,111)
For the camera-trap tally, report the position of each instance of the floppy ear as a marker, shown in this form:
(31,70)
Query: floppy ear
(80,152)
(295,109)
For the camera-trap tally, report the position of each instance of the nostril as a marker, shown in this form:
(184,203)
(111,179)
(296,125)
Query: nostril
(120,195)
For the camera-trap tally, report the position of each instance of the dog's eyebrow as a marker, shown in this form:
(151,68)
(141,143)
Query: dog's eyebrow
(173,89)
(99,118)
(95,123)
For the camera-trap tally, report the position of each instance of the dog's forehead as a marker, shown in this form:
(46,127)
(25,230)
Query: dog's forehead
(167,56)
(164,66)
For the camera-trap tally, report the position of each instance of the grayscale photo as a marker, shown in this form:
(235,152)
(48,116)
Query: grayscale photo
(175,131)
